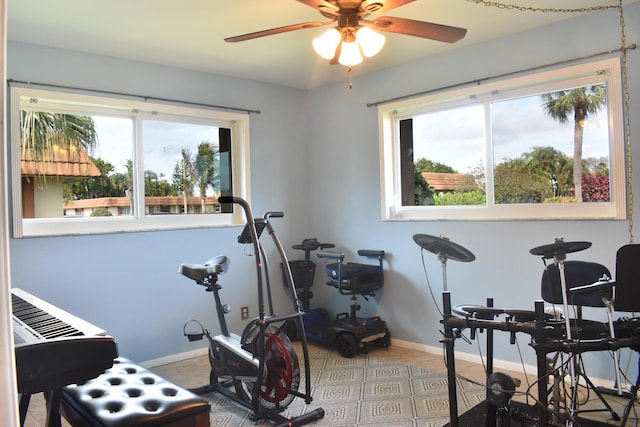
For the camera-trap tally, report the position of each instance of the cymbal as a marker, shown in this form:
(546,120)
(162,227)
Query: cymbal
(443,247)
(559,248)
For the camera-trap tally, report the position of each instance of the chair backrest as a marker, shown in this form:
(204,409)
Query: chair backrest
(627,279)
(577,273)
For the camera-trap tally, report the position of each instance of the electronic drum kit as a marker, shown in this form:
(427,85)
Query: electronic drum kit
(446,250)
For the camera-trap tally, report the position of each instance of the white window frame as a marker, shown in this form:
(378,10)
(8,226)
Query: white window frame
(74,103)
(596,72)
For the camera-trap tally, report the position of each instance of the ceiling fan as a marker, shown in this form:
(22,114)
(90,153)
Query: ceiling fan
(353,34)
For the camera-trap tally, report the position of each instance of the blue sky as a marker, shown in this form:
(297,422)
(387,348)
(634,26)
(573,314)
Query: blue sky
(163,142)
(456,137)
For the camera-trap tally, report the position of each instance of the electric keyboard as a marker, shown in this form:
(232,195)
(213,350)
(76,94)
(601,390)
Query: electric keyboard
(36,320)
(54,348)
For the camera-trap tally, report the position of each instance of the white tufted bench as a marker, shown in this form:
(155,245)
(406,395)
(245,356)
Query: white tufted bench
(130,395)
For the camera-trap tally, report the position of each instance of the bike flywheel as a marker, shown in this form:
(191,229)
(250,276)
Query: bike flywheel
(281,367)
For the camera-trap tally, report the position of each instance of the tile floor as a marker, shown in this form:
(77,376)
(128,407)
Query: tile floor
(194,372)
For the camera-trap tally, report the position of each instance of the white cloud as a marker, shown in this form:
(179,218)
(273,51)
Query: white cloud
(456,137)
(163,142)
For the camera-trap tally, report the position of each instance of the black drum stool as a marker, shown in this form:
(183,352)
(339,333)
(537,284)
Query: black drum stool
(130,395)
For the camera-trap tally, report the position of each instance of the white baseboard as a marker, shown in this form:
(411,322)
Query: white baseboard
(497,363)
(172,358)
(468,357)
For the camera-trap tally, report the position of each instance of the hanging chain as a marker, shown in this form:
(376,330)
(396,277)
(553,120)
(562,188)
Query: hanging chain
(543,9)
(625,87)
(627,121)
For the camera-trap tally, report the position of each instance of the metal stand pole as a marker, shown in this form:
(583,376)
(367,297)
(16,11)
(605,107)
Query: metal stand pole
(616,357)
(443,259)
(541,359)
(559,258)
(492,418)
(450,359)
(632,399)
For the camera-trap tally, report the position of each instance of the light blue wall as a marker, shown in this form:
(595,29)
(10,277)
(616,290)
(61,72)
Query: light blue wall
(315,155)
(345,150)
(128,283)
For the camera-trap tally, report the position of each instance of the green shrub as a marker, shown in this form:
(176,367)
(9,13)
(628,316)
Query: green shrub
(458,199)
(561,199)
(101,212)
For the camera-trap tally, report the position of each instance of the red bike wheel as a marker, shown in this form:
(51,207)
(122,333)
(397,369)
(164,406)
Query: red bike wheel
(281,367)
(283,372)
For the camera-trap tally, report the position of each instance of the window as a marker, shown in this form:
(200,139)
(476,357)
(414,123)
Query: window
(86,164)
(509,149)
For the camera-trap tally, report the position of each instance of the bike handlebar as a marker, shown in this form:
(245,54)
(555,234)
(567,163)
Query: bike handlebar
(274,215)
(232,199)
(247,209)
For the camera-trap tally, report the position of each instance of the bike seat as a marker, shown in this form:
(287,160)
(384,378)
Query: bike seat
(199,272)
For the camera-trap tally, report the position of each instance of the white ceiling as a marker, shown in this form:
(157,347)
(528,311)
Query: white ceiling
(189,33)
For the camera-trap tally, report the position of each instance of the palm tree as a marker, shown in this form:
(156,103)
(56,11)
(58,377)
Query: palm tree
(42,133)
(205,169)
(553,162)
(123,181)
(183,176)
(581,102)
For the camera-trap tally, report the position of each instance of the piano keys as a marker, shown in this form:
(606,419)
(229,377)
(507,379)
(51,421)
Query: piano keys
(35,319)
(54,348)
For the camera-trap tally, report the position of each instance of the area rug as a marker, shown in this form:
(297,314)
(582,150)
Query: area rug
(366,390)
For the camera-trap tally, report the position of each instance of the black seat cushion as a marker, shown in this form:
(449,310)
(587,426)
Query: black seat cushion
(129,395)
(355,277)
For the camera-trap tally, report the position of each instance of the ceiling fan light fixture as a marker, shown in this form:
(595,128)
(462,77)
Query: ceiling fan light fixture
(370,41)
(326,44)
(350,54)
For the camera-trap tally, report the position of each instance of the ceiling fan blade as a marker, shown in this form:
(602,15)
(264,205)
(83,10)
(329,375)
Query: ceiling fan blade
(277,30)
(427,30)
(380,6)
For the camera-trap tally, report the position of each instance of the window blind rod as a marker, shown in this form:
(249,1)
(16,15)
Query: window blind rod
(498,76)
(143,97)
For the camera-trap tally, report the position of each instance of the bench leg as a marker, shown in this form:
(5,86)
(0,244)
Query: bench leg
(53,398)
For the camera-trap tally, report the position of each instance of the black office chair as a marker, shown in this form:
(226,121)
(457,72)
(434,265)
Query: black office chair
(579,274)
(627,299)
(627,284)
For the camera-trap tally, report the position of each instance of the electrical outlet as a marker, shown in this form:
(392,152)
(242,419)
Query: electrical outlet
(244,312)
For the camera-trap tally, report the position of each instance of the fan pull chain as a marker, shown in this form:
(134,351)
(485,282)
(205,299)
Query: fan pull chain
(350,82)
(544,9)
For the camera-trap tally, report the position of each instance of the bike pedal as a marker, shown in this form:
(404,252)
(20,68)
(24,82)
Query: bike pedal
(195,336)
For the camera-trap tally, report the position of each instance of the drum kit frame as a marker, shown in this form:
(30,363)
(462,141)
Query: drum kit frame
(536,324)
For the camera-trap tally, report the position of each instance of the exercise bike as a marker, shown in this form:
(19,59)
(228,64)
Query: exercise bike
(349,333)
(259,369)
